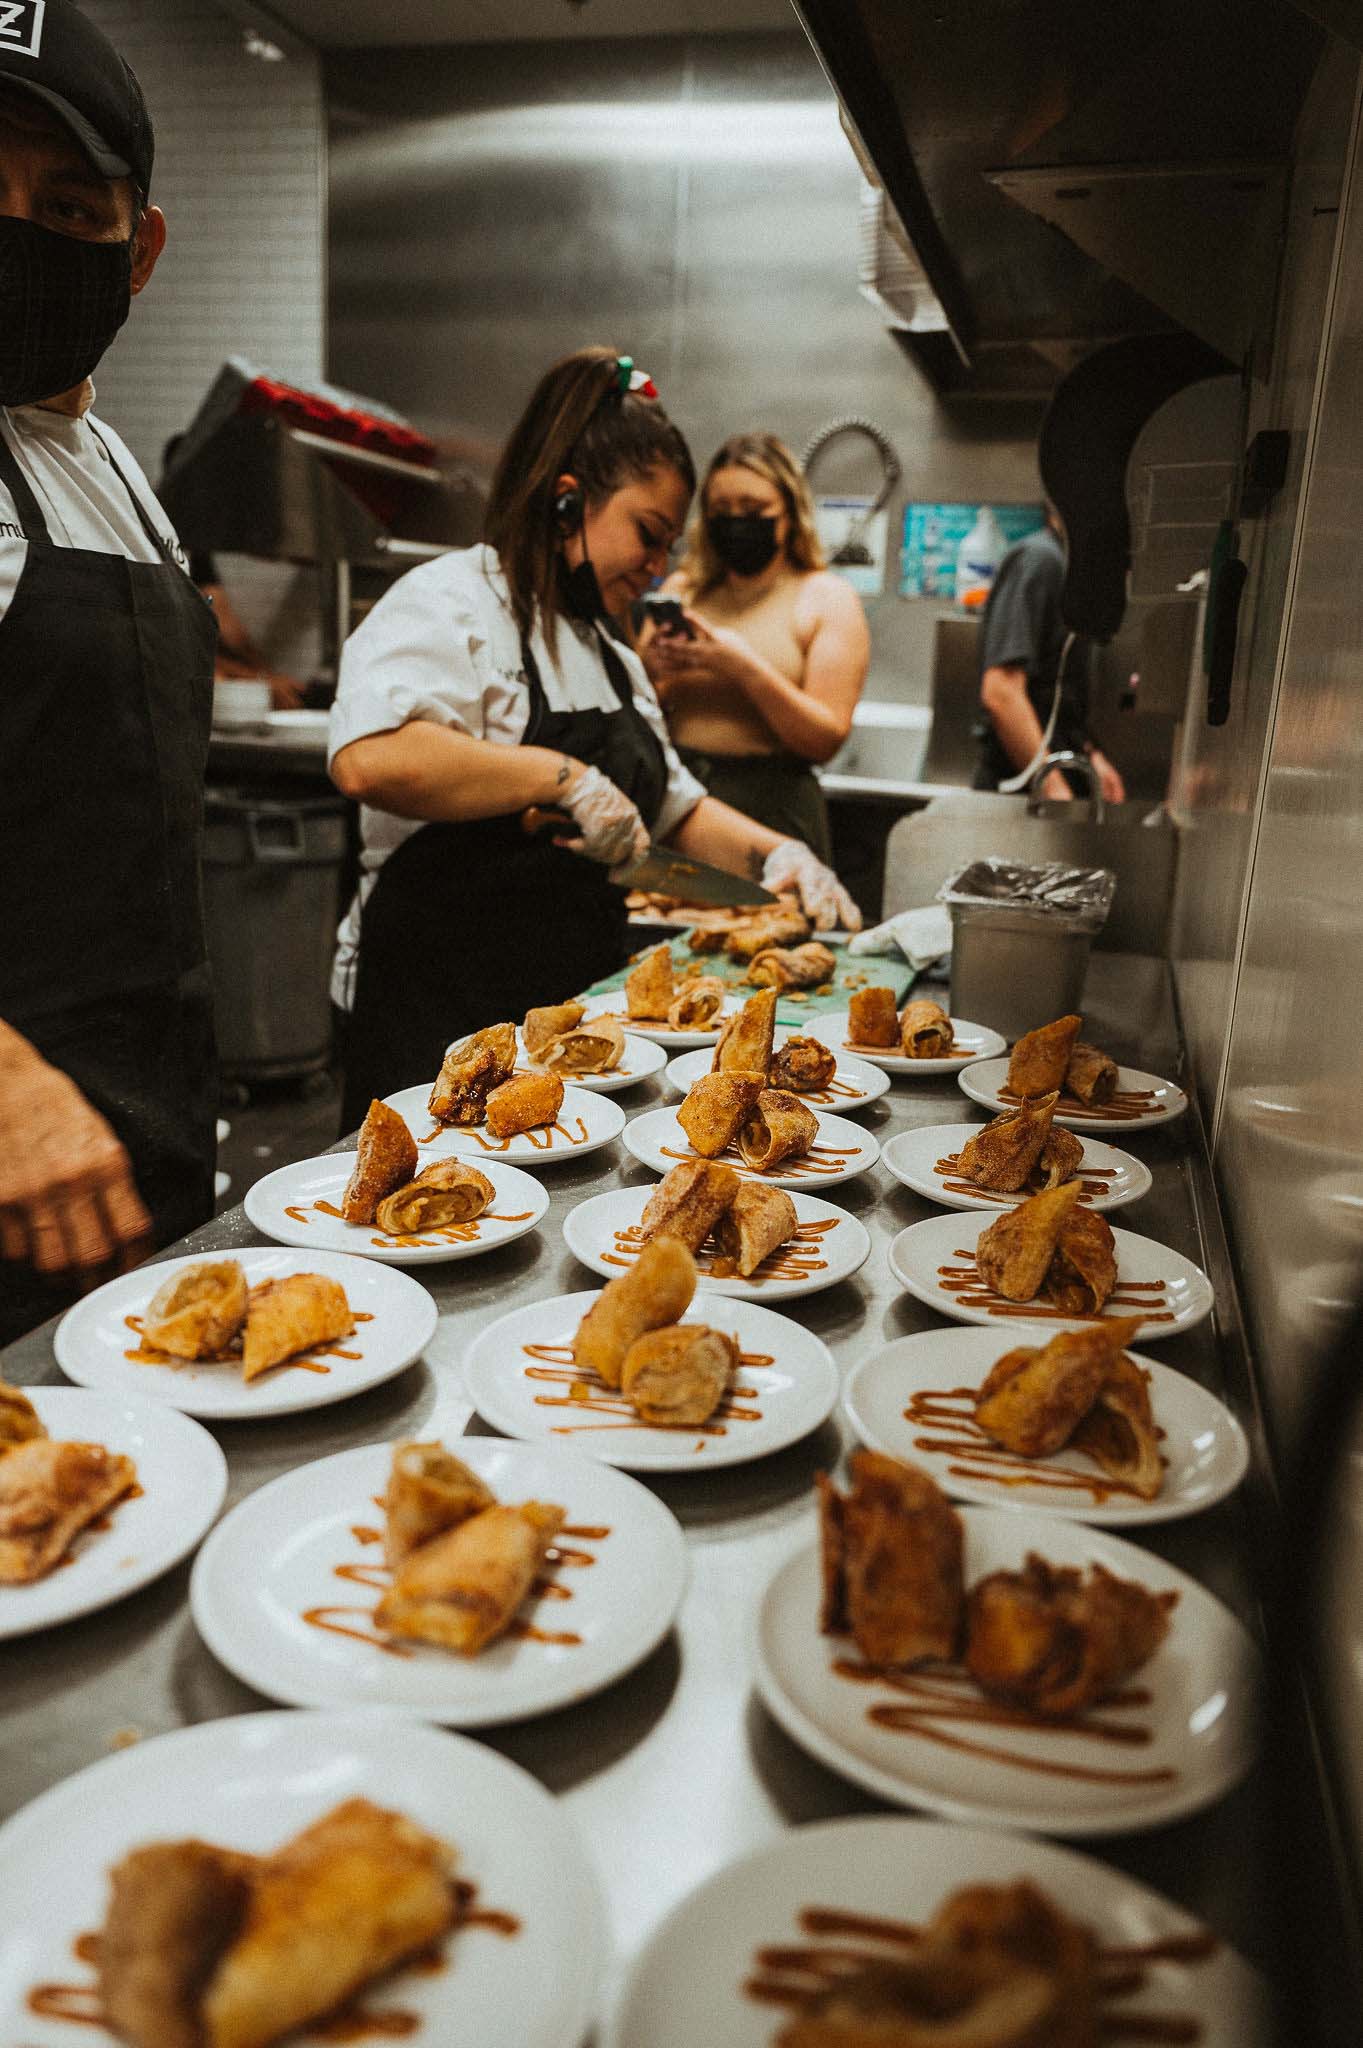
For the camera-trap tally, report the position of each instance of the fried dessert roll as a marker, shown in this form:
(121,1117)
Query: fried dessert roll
(19,1419)
(1050,1639)
(893,1569)
(802,1065)
(873,1018)
(696,1004)
(1002,1155)
(174,1910)
(774,925)
(715,1109)
(339,1905)
(706,938)
(781,967)
(288,1316)
(198,1312)
(1062,1155)
(1119,1432)
(654,1291)
(446,1193)
(756,1223)
(779,1127)
(925,1031)
(745,1041)
(462,1589)
(48,1493)
(1013,1254)
(547,1023)
(593,1048)
(385,1158)
(1083,1270)
(678,1376)
(472,1068)
(1033,1400)
(524,1103)
(688,1202)
(1038,1061)
(429,1491)
(650,986)
(1091,1076)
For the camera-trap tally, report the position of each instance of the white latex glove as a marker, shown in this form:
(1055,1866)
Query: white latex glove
(826,903)
(610,829)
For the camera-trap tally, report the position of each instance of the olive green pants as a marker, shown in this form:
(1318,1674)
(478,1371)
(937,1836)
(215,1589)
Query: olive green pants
(778,790)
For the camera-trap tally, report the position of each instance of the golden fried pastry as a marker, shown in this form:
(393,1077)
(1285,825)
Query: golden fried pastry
(446,1193)
(48,1493)
(716,1107)
(802,1065)
(547,1023)
(779,1127)
(1119,1432)
(385,1158)
(524,1103)
(688,1202)
(197,1312)
(655,1291)
(696,1004)
(472,1068)
(650,986)
(925,1031)
(892,1562)
(706,938)
(873,1018)
(596,1047)
(463,1589)
(756,1223)
(175,1908)
(1062,1155)
(745,1041)
(1050,1639)
(429,1491)
(777,924)
(1083,1270)
(1091,1076)
(1039,1059)
(678,1376)
(288,1316)
(19,1423)
(1033,1400)
(1002,1155)
(1013,1254)
(781,967)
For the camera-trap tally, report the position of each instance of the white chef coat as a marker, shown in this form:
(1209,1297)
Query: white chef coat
(83,501)
(443,645)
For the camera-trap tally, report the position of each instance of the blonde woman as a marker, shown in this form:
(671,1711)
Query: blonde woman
(761,676)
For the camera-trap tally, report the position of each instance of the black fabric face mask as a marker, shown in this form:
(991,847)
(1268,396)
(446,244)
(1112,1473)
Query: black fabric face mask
(582,599)
(62,301)
(744,541)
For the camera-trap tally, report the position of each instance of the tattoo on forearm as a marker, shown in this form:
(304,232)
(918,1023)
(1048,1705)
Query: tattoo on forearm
(756,862)
(565,769)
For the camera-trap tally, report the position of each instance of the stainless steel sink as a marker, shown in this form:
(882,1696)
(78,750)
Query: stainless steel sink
(922,850)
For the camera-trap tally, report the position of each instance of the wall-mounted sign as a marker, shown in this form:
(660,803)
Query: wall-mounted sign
(950,552)
(855,540)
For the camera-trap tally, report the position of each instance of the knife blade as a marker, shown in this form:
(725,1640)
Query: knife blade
(663,872)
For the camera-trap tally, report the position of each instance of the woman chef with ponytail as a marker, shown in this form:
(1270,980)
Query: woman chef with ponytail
(488,681)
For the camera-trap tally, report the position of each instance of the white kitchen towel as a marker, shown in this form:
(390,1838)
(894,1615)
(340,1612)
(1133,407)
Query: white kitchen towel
(922,936)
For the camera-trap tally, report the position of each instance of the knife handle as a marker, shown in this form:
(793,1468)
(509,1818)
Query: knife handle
(536,820)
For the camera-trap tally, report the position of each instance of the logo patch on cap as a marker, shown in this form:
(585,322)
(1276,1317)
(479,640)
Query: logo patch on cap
(21,26)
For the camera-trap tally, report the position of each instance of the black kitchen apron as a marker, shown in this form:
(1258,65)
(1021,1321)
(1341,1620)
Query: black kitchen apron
(472,924)
(106,691)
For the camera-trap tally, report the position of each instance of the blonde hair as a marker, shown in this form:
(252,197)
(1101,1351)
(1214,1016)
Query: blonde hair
(768,457)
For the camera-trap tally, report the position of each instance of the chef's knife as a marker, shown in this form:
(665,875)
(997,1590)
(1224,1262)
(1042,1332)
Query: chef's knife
(662,872)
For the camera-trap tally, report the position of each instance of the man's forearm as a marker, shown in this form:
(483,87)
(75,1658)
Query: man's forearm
(1003,692)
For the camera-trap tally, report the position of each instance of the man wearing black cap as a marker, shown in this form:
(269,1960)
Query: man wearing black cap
(106,1056)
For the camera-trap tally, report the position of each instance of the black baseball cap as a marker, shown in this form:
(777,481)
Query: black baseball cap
(50,48)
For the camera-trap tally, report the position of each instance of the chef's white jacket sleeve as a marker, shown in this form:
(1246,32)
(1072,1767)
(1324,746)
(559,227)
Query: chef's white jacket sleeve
(417,655)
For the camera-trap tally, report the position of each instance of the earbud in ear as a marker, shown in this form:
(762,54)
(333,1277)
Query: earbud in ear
(569,507)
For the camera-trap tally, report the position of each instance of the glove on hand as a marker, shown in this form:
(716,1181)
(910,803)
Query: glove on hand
(826,903)
(609,827)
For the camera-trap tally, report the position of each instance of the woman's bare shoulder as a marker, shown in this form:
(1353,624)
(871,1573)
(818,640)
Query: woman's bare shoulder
(678,584)
(824,595)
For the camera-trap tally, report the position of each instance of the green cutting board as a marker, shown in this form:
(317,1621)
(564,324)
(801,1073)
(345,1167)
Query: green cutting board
(863,970)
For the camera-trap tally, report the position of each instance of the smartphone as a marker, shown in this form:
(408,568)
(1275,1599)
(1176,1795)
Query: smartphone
(667,615)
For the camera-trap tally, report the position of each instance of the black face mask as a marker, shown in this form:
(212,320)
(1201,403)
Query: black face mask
(744,541)
(62,301)
(582,599)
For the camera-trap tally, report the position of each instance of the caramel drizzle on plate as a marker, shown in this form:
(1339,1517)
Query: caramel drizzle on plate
(449,1233)
(965,1285)
(554,1364)
(819,1160)
(953,1409)
(541,1137)
(796,1259)
(958,1050)
(1095,1181)
(307,1361)
(1120,1108)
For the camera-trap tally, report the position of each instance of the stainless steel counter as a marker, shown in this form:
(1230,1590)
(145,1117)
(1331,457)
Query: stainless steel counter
(676,1769)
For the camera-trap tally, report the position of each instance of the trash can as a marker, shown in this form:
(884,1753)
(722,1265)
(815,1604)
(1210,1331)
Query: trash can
(1020,939)
(271,880)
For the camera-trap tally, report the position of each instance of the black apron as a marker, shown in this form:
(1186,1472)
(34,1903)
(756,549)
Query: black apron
(106,692)
(473,924)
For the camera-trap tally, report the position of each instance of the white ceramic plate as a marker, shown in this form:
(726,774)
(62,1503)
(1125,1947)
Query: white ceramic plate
(786,1386)
(885,1867)
(1193,1704)
(275,1557)
(975,1042)
(183,1477)
(840,1151)
(94,1339)
(640,1058)
(855,1083)
(584,1124)
(1156,1101)
(612,1004)
(1152,1281)
(284,1206)
(254,1781)
(1112,1178)
(829,1246)
(1204,1446)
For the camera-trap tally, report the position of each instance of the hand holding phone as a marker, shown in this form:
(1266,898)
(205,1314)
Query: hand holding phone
(668,616)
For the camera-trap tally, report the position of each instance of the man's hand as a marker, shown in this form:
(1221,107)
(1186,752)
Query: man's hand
(68,1201)
(1109,781)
